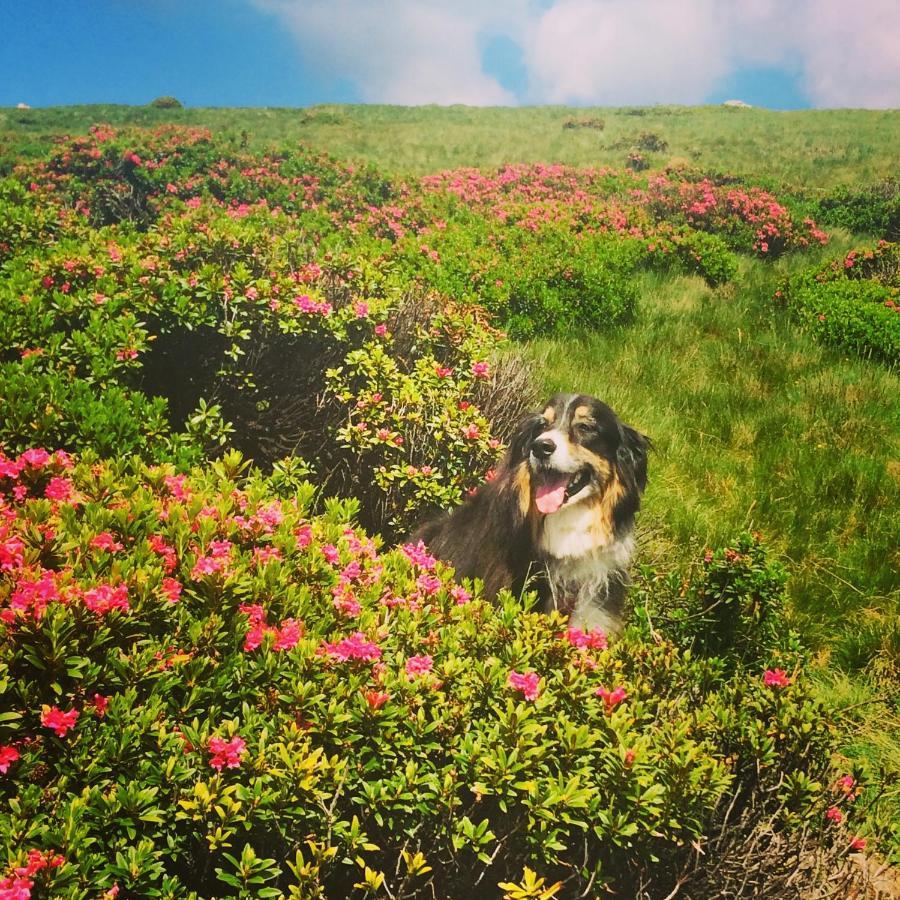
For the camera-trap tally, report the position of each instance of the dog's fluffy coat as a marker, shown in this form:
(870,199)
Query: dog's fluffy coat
(558,517)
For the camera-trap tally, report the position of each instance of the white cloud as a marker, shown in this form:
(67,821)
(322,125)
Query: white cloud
(622,51)
(600,51)
(402,51)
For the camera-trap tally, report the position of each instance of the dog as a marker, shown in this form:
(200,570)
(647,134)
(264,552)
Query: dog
(558,516)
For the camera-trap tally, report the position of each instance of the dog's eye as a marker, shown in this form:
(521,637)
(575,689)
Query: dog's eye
(585,429)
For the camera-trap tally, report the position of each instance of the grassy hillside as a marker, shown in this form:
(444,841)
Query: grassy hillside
(756,425)
(812,149)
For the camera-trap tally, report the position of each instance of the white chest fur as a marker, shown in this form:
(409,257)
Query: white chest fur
(581,566)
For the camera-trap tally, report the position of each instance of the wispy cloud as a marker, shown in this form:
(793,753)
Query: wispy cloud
(600,51)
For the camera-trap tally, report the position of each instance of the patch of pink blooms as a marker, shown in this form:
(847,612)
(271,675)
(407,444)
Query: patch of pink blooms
(611,699)
(776,678)
(56,720)
(8,755)
(419,665)
(355,647)
(226,754)
(595,639)
(105,598)
(528,683)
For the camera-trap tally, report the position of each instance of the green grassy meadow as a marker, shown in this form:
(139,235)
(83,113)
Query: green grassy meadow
(755,425)
(809,149)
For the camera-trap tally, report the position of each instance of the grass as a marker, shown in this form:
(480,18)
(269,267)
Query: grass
(808,149)
(757,426)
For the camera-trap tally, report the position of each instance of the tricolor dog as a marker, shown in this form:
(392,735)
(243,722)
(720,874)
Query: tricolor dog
(558,517)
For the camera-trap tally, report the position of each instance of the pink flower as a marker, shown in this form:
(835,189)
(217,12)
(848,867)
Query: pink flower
(105,598)
(587,640)
(460,595)
(303,536)
(442,371)
(776,678)
(100,704)
(8,755)
(226,754)
(833,814)
(428,584)
(418,555)
(254,637)
(481,370)
(526,682)
(331,553)
(357,646)
(472,432)
(288,635)
(172,589)
(419,665)
(361,310)
(36,458)
(59,489)
(56,720)
(105,541)
(12,551)
(858,844)
(381,330)
(611,699)
(375,699)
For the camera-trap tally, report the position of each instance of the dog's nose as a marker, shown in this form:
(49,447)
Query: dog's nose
(543,447)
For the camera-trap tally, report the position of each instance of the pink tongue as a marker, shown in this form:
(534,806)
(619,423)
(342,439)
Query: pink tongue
(550,497)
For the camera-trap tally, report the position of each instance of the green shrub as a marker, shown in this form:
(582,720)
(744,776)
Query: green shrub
(207,690)
(852,303)
(874,209)
(166,103)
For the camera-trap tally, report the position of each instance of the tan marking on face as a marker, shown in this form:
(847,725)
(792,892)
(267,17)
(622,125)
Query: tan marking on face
(582,414)
(522,485)
(549,414)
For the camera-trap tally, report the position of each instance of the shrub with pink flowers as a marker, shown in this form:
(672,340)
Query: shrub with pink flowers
(852,302)
(208,690)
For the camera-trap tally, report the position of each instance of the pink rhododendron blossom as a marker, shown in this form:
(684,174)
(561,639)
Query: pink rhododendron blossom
(59,488)
(418,555)
(472,431)
(303,536)
(429,585)
(526,682)
(226,754)
(776,678)
(287,636)
(357,646)
(8,755)
(611,699)
(481,370)
(100,704)
(375,699)
(172,589)
(833,814)
(105,598)
(56,720)
(587,640)
(36,458)
(858,844)
(460,595)
(105,541)
(12,550)
(331,553)
(419,665)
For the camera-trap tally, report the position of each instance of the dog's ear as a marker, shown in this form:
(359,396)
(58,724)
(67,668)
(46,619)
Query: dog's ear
(520,445)
(632,456)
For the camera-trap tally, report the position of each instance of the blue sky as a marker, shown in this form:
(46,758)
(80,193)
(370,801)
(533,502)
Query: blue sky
(783,54)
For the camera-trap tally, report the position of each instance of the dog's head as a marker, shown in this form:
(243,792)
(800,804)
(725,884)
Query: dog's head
(578,450)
